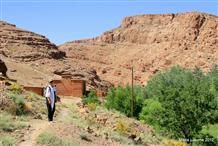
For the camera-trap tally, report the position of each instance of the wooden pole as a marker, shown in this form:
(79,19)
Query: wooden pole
(132,100)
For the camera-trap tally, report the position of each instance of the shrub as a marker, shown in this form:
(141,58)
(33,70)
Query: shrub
(21,107)
(211,130)
(121,127)
(15,88)
(174,143)
(51,139)
(8,124)
(7,140)
(185,101)
(120,98)
(205,140)
(150,113)
(213,79)
(91,106)
(27,107)
(91,98)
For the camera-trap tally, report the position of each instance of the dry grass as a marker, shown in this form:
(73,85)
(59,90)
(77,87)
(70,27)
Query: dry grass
(7,140)
(121,127)
(8,124)
(108,125)
(47,138)
(174,143)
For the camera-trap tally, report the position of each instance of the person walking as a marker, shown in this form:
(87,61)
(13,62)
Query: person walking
(50,95)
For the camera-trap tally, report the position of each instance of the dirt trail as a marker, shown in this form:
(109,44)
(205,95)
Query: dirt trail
(38,126)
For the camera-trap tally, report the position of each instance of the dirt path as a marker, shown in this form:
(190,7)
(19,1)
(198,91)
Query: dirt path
(38,126)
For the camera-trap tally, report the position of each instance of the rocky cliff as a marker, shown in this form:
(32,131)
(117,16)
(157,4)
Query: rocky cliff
(33,60)
(149,43)
(24,45)
(186,29)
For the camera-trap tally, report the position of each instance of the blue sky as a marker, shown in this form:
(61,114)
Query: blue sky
(67,20)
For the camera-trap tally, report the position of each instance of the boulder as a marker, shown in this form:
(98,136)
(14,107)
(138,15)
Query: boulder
(3,68)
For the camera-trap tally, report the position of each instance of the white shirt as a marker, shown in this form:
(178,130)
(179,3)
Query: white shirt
(50,94)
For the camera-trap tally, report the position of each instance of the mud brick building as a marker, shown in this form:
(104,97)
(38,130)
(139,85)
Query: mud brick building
(37,90)
(70,87)
(65,87)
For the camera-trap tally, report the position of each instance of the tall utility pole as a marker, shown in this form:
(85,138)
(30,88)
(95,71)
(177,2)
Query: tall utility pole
(133,99)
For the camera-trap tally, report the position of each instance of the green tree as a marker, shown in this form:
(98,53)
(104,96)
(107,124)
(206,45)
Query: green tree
(120,99)
(184,100)
(91,98)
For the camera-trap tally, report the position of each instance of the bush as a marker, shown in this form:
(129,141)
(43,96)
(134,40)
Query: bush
(91,106)
(51,139)
(15,88)
(205,140)
(211,129)
(120,99)
(91,98)
(150,113)
(21,107)
(27,107)
(8,124)
(174,143)
(7,140)
(184,101)
(121,127)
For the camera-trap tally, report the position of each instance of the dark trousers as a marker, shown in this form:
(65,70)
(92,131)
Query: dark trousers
(50,111)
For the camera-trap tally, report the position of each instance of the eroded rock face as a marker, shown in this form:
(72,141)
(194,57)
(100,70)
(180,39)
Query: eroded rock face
(149,43)
(3,68)
(26,46)
(145,29)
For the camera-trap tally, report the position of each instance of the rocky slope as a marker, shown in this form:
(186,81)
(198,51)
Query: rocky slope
(24,45)
(149,43)
(33,60)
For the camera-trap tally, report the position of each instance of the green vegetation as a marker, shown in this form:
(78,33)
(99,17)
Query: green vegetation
(51,139)
(211,129)
(15,88)
(91,98)
(25,103)
(150,113)
(185,101)
(178,103)
(32,96)
(7,124)
(20,104)
(92,106)
(117,128)
(120,99)
(74,118)
(14,114)
(7,140)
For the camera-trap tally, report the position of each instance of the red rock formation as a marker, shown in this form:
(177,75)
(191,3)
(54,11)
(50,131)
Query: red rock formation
(149,43)
(24,45)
